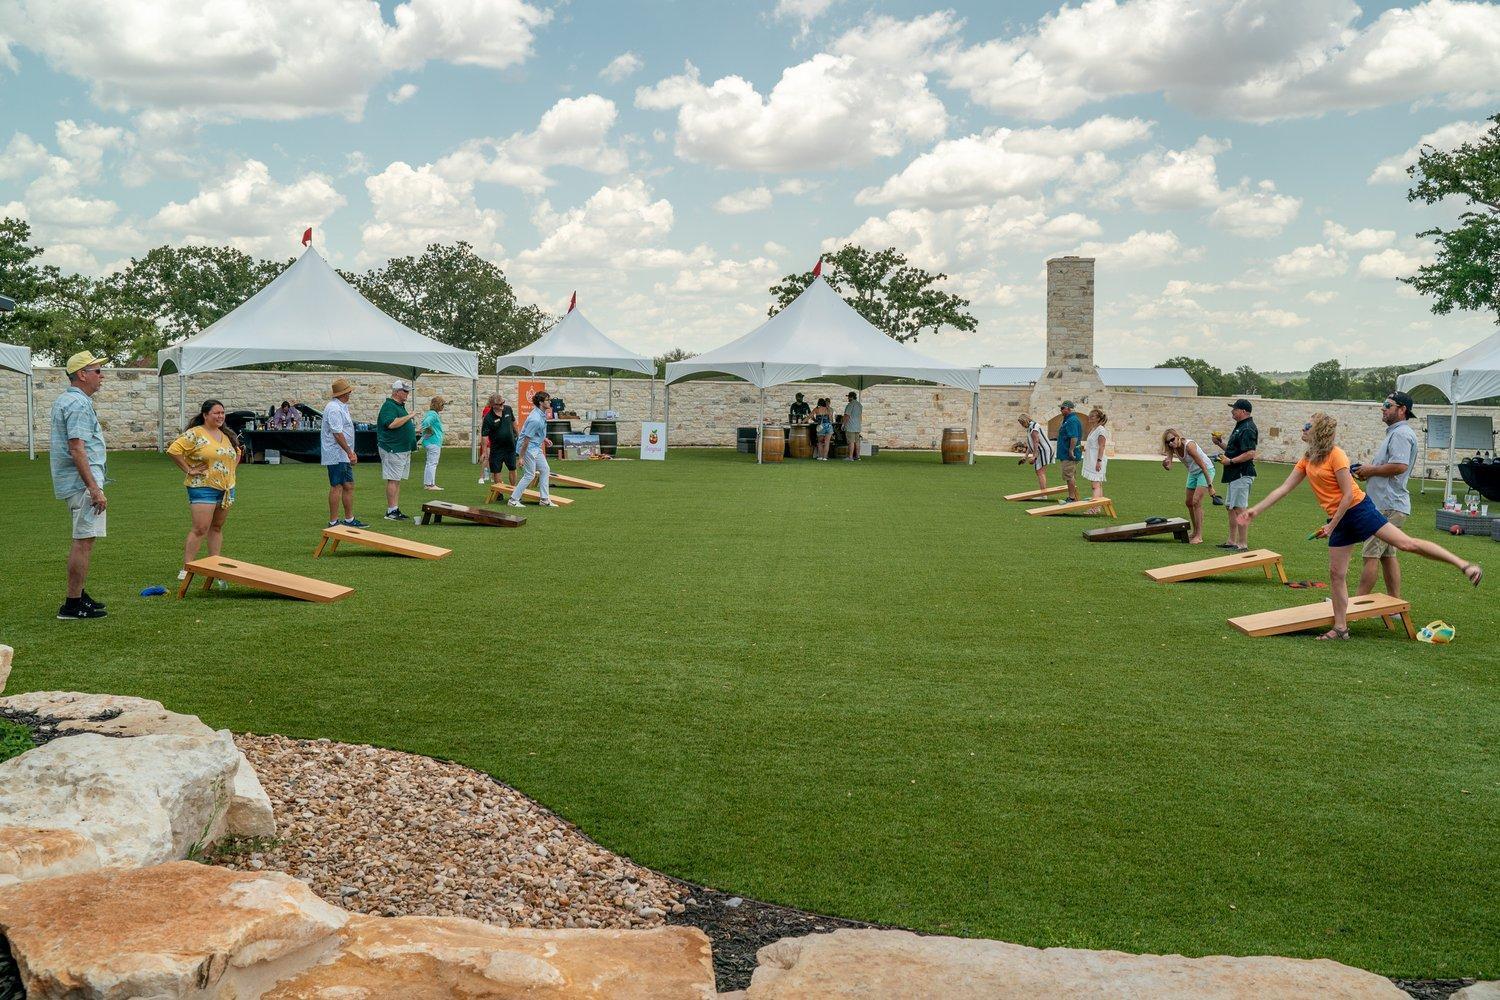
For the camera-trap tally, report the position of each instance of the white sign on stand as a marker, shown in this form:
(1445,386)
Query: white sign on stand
(654,442)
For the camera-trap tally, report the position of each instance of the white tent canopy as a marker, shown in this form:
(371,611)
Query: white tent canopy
(820,337)
(18,359)
(1468,375)
(310,314)
(576,343)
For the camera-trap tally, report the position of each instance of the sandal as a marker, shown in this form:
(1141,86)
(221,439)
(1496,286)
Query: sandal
(1308,585)
(1338,632)
(1477,575)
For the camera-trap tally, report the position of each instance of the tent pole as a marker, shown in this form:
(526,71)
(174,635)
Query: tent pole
(666,408)
(30,420)
(474,417)
(651,413)
(609,402)
(181,401)
(161,412)
(974,427)
(760,428)
(1452,435)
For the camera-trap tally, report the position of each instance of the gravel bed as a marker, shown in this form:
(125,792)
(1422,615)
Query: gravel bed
(395,834)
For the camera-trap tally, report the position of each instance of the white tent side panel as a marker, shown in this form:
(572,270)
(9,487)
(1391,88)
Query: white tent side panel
(17,359)
(1478,373)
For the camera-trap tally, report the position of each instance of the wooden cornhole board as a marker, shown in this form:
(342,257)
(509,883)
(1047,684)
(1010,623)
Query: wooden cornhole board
(1175,526)
(498,490)
(375,540)
(434,511)
(575,482)
(1320,615)
(303,588)
(1103,505)
(1264,558)
(1036,494)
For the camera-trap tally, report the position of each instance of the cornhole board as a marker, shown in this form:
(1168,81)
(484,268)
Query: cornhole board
(1320,615)
(1036,494)
(375,540)
(303,588)
(1264,558)
(575,482)
(434,511)
(498,490)
(1095,507)
(1178,527)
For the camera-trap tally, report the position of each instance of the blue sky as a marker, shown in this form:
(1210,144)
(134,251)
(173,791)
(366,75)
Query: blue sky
(1235,167)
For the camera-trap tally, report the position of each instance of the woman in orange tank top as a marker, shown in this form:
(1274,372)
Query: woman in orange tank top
(1352,518)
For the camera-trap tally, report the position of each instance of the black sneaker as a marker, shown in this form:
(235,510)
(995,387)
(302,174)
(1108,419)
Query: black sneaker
(86,599)
(396,515)
(74,607)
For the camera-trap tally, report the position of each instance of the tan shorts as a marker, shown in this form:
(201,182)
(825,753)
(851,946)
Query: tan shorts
(86,522)
(1376,549)
(1069,469)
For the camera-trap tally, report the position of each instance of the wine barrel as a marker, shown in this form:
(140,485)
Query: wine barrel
(955,445)
(555,431)
(773,444)
(800,441)
(609,435)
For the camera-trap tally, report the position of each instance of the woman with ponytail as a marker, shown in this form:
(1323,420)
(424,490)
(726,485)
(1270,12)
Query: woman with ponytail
(208,454)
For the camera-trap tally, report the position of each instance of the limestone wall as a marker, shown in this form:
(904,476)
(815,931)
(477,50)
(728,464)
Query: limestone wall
(703,413)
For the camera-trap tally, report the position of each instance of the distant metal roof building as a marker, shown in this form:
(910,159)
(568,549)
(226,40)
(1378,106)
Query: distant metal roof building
(1114,378)
(6,305)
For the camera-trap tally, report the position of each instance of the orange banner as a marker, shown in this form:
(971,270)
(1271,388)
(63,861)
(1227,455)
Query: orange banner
(525,389)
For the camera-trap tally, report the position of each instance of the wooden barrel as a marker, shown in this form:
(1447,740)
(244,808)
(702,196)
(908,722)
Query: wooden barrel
(609,435)
(555,431)
(800,441)
(955,445)
(773,444)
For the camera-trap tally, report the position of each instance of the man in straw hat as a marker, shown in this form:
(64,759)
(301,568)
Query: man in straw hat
(77,458)
(338,454)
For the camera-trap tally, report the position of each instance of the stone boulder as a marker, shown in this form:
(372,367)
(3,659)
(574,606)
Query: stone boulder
(28,852)
(175,930)
(6,655)
(1479,991)
(249,812)
(139,801)
(895,965)
(453,958)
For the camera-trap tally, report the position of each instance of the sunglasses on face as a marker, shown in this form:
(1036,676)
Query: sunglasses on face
(1307,427)
(1387,405)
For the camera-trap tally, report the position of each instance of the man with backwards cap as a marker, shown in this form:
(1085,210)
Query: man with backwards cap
(1238,461)
(1385,478)
(396,439)
(77,457)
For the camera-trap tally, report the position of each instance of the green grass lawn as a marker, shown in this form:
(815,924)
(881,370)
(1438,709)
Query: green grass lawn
(876,691)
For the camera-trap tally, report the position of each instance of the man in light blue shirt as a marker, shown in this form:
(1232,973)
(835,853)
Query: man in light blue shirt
(337,445)
(77,456)
(532,447)
(1385,478)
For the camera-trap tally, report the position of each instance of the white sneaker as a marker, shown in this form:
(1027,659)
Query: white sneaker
(546,503)
(483,481)
(514,503)
(182,574)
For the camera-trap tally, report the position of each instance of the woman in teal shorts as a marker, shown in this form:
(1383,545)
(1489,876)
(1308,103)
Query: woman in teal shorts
(1200,479)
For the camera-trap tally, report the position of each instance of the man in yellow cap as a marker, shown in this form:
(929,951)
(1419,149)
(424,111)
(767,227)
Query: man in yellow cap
(77,457)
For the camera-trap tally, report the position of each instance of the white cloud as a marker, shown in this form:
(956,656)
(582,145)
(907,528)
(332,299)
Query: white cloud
(796,186)
(1321,298)
(1391,264)
(287,59)
(1315,261)
(1392,169)
(961,239)
(618,225)
(573,132)
(1140,251)
(754,199)
(804,12)
(623,65)
(1365,239)
(248,209)
(417,206)
(723,277)
(1255,212)
(1261,60)
(1186,179)
(402,94)
(834,110)
(1001,162)
(23,156)
(1280,318)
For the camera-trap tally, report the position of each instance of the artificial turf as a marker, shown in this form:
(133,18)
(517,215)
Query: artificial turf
(871,690)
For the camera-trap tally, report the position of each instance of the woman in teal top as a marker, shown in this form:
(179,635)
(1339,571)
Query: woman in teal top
(431,439)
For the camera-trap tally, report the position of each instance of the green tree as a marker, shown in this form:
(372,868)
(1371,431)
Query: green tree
(184,290)
(1327,380)
(1466,272)
(885,289)
(452,294)
(1211,381)
(1247,381)
(675,354)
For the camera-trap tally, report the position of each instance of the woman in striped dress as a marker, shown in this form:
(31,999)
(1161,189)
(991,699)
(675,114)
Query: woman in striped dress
(1038,449)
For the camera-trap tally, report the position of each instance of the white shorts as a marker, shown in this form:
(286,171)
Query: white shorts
(87,523)
(394,464)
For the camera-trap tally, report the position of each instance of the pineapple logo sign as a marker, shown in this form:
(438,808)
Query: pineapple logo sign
(654,442)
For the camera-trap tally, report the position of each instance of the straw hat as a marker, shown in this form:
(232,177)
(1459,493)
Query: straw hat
(340,386)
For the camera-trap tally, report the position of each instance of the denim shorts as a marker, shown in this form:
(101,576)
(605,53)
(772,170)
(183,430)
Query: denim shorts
(207,494)
(1358,523)
(340,473)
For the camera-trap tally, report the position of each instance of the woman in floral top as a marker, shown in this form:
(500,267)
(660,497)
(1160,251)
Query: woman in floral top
(208,453)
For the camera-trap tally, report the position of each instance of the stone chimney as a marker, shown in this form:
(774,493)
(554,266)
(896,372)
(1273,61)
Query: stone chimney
(1070,371)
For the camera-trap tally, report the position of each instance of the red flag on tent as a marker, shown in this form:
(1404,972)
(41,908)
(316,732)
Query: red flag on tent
(307,237)
(818,268)
(573,302)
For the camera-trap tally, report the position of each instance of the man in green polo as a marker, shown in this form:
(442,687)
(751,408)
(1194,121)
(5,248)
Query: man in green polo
(395,439)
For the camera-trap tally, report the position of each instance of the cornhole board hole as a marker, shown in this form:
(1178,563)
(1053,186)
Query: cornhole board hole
(1320,615)
(1264,558)
(575,483)
(1103,505)
(375,540)
(1036,494)
(434,511)
(498,490)
(1177,527)
(303,588)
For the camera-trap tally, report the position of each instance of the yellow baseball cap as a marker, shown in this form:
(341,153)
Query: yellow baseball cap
(82,360)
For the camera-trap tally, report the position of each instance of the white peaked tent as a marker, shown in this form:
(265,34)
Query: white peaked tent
(1468,375)
(576,343)
(309,313)
(819,337)
(18,359)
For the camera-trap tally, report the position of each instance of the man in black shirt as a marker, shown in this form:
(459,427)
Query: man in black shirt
(799,411)
(1239,472)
